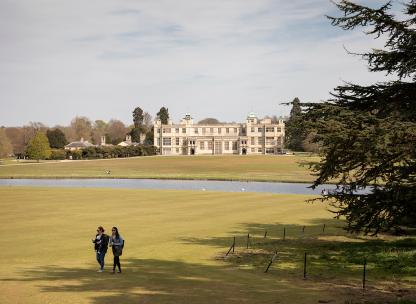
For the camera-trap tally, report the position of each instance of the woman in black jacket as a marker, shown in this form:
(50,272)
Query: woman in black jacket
(100,246)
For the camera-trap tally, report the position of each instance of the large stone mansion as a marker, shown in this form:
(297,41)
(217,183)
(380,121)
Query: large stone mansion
(252,137)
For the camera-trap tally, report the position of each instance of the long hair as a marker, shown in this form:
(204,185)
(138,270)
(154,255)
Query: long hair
(117,235)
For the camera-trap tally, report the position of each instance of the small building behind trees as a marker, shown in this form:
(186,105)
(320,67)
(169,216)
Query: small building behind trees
(128,142)
(78,145)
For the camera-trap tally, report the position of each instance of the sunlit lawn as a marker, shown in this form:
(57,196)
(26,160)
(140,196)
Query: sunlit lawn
(259,168)
(175,247)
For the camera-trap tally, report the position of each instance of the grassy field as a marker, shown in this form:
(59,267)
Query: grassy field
(175,250)
(253,168)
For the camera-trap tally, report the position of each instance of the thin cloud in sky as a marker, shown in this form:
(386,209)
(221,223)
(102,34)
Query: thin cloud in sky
(213,58)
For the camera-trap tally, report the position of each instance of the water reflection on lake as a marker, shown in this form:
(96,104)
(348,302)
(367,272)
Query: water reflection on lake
(158,184)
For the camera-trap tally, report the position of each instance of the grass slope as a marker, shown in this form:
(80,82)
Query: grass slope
(175,245)
(258,168)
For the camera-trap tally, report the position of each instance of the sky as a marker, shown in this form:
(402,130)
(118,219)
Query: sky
(210,58)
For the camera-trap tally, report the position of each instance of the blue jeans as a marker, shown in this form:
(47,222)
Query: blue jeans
(100,259)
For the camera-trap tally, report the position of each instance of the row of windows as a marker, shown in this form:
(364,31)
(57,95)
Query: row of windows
(206,145)
(218,130)
(260,150)
(260,140)
(268,129)
(203,145)
(226,147)
(202,130)
(167,141)
(169,150)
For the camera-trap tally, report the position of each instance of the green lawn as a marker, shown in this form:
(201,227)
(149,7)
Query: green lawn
(253,168)
(175,247)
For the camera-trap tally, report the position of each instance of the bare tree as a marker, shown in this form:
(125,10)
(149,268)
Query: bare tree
(98,130)
(81,127)
(6,147)
(16,136)
(116,130)
(147,121)
(31,129)
(309,144)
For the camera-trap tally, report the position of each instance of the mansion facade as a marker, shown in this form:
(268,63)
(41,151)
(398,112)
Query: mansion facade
(252,137)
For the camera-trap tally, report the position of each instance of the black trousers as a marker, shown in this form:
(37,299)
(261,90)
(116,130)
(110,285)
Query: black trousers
(116,263)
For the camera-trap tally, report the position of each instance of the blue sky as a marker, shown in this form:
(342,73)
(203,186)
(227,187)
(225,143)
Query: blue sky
(217,58)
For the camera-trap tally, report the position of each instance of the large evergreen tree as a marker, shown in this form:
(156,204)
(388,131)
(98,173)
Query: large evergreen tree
(138,128)
(138,117)
(163,115)
(294,130)
(135,134)
(368,133)
(149,137)
(56,138)
(38,147)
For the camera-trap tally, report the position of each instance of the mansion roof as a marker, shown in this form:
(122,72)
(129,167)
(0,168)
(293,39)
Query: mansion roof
(79,144)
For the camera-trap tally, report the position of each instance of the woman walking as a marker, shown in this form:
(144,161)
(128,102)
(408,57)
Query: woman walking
(100,246)
(117,244)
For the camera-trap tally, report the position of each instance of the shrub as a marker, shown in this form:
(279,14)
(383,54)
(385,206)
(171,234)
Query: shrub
(112,152)
(57,154)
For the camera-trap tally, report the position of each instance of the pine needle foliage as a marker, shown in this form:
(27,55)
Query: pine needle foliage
(368,133)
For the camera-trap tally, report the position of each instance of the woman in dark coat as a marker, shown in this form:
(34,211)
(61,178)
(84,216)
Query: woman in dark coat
(117,244)
(100,245)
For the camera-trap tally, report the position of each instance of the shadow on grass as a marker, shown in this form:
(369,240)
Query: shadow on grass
(334,271)
(159,281)
(332,253)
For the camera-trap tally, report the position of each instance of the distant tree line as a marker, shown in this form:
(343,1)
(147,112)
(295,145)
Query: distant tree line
(37,141)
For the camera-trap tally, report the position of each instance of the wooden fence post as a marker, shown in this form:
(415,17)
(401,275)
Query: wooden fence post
(364,266)
(265,234)
(271,261)
(304,266)
(248,239)
(231,248)
(233,244)
(284,233)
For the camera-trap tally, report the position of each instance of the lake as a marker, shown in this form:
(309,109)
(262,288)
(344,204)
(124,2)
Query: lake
(161,184)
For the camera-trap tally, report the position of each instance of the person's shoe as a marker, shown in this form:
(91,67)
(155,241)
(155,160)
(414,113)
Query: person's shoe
(100,270)
(119,271)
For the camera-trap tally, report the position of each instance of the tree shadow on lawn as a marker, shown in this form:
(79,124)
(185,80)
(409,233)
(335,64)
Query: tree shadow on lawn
(157,281)
(334,270)
(333,255)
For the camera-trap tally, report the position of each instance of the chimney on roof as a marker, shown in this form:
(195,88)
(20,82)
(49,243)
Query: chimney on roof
(82,139)
(128,138)
(102,140)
